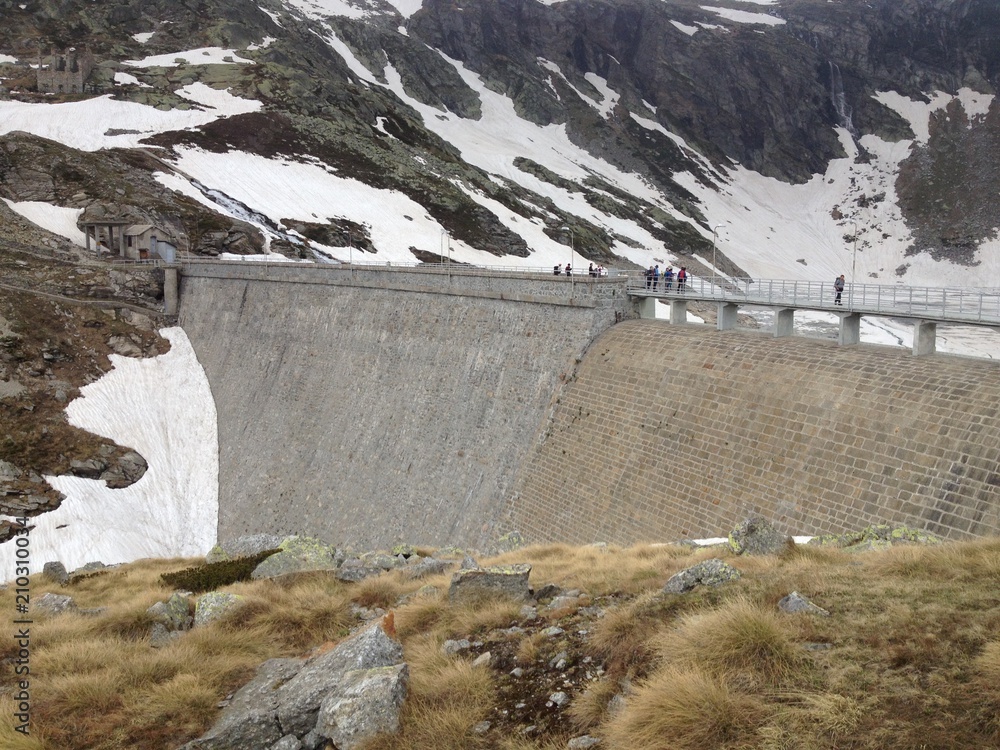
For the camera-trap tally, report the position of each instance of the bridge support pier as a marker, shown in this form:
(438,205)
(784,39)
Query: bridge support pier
(924,338)
(850,329)
(784,322)
(170,290)
(678,311)
(726,318)
(647,308)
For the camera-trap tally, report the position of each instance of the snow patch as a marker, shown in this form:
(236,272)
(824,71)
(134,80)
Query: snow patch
(143,37)
(55,219)
(163,409)
(742,16)
(200,56)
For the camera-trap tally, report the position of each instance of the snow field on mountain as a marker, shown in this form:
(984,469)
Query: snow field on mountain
(60,221)
(200,56)
(162,408)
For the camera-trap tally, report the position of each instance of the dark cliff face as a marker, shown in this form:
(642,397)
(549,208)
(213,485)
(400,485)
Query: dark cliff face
(767,95)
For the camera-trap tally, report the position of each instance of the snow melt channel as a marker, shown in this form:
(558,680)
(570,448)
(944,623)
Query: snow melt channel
(163,408)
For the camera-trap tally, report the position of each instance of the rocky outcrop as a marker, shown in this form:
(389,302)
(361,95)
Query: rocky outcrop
(713,572)
(346,694)
(507,581)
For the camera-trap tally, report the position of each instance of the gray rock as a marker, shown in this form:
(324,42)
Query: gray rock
(55,572)
(354,569)
(53,604)
(451,647)
(559,699)
(244,546)
(379,560)
(213,605)
(90,567)
(712,572)
(756,536)
(288,742)
(251,718)
(583,742)
(91,468)
(406,550)
(795,603)
(509,581)
(173,614)
(300,698)
(366,703)
(468,563)
(159,636)
(481,727)
(483,660)
(299,554)
(427,566)
(528,612)
(314,741)
(548,591)
(9,472)
(553,631)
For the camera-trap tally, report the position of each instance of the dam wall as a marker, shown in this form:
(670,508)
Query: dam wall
(371,406)
(669,432)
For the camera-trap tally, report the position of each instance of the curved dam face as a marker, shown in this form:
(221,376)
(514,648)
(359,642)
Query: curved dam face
(681,431)
(371,407)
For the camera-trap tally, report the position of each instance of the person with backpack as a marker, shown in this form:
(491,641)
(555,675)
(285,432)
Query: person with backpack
(838,286)
(682,277)
(668,278)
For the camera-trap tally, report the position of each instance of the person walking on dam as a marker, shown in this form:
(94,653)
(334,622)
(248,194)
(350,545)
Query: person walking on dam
(682,277)
(838,286)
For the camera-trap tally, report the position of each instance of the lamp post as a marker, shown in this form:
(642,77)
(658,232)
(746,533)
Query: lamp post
(854,256)
(350,247)
(715,235)
(569,231)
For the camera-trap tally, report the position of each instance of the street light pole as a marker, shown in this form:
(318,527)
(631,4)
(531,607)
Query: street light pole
(350,248)
(569,231)
(854,257)
(715,235)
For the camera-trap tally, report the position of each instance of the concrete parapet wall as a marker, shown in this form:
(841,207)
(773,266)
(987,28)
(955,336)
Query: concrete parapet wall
(681,431)
(365,409)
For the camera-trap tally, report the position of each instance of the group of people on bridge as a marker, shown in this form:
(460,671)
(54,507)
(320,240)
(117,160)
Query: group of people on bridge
(593,270)
(653,277)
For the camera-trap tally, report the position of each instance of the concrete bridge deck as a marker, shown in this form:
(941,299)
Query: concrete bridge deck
(925,306)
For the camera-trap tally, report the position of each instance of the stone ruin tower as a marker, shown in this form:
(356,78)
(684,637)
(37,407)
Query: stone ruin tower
(64,72)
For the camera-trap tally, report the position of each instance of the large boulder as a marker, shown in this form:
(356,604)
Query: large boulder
(349,692)
(299,554)
(714,572)
(757,536)
(367,702)
(251,718)
(244,546)
(213,605)
(510,581)
(300,698)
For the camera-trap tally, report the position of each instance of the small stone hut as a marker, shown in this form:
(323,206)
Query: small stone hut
(64,72)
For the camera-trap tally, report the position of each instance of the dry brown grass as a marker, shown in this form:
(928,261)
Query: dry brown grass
(740,640)
(909,656)
(685,709)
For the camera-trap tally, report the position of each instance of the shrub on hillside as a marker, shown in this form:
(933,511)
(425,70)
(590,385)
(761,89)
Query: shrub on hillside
(211,576)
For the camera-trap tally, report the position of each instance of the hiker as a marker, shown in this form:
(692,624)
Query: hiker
(592,271)
(569,271)
(838,285)
(656,277)
(556,271)
(649,277)
(668,278)
(682,277)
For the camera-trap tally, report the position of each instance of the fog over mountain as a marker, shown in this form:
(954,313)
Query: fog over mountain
(807,137)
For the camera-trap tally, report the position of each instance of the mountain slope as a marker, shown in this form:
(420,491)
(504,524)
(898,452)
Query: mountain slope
(629,130)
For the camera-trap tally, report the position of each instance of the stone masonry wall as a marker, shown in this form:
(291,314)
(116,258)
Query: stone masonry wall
(681,431)
(360,407)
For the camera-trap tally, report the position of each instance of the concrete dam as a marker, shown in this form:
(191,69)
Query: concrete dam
(371,406)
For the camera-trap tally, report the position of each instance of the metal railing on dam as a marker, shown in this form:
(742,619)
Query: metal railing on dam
(925,306)
(940,304)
